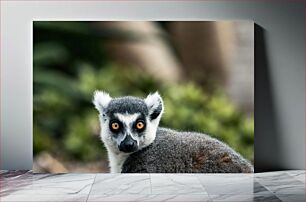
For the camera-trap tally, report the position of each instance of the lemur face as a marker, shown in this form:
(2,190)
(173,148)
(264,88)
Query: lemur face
(128,124)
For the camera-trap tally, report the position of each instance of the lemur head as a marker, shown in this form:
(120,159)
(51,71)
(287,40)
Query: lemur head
(128,123)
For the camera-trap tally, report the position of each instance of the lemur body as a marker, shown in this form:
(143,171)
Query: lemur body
(135,143)
(185,152)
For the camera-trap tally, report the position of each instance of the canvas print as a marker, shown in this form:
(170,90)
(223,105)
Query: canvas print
(143,96)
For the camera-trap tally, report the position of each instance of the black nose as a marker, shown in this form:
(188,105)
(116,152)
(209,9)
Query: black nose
(128,145)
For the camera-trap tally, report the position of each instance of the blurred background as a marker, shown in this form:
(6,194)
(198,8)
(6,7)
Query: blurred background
(204,70)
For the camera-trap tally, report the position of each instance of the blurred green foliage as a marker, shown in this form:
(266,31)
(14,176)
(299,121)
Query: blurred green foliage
(65,77)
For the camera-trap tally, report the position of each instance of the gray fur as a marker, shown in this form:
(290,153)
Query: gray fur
(186,152)
(128,105)
(159,150)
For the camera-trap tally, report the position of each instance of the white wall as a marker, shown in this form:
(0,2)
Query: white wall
(279,117)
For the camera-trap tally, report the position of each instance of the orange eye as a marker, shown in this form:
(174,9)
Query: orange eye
(115,126)
(139,125)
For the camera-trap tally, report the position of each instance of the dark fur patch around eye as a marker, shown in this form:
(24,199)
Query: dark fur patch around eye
(139,131)
(156,112)
(120,126)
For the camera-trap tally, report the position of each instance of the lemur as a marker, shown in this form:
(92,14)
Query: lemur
(136,144)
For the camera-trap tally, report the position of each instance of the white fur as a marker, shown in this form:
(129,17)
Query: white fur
(127,118)
(153,101)
(150,135)
(116,161)
(101,100)
(115,156)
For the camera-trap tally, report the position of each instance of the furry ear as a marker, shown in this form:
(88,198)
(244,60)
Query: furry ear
(101,100)
(155,105)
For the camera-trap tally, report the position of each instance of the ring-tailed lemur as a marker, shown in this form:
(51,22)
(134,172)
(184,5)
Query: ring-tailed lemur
(135,143)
